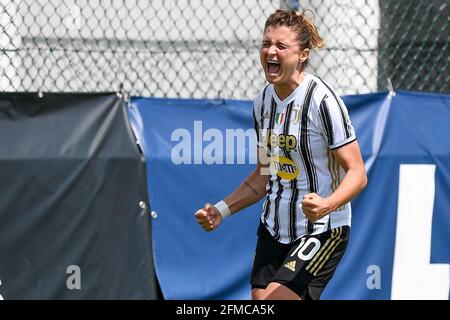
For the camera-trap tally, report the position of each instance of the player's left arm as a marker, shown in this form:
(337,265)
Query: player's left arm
(355,180)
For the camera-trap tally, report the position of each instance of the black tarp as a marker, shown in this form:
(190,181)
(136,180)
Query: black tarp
(74,217)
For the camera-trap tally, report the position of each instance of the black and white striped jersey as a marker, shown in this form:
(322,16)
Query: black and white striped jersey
(298,134)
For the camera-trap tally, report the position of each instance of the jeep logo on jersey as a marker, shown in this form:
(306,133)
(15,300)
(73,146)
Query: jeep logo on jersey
(288,142)
(284,168)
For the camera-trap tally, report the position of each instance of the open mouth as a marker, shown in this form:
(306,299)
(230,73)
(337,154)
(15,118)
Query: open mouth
(273,67)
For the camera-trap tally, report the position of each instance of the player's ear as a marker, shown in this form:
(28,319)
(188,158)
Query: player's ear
(304,54)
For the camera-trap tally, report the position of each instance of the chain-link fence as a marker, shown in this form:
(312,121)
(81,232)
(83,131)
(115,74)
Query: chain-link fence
(413,45)
(210,48)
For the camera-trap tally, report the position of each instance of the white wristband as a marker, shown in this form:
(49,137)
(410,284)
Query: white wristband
(223,209)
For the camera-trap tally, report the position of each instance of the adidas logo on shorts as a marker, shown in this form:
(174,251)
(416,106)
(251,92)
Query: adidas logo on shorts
(291,265)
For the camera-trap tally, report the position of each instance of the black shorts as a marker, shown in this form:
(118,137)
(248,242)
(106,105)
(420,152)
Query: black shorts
(305,266)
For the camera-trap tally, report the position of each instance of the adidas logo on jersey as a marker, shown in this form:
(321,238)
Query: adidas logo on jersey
(291,265)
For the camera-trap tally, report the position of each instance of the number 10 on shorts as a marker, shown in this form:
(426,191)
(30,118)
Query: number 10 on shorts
(307,249)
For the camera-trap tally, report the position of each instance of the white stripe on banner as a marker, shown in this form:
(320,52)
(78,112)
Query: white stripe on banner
(413,276)
(378,131)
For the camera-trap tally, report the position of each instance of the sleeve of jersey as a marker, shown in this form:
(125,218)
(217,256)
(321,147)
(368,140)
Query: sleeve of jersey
(335,122)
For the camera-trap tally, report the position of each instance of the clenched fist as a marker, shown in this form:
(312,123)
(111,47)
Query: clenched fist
(208,217)
(315,207)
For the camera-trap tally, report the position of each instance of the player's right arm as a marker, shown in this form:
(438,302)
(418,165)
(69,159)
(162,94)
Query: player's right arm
(250,191)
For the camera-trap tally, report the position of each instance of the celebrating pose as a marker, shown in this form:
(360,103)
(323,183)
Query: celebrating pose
(309,168)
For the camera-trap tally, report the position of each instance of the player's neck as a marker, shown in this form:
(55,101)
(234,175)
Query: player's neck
(284,90)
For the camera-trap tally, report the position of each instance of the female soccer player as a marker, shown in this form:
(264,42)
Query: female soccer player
(309,168)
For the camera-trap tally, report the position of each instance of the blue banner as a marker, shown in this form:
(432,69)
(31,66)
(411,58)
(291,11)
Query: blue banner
(199,151)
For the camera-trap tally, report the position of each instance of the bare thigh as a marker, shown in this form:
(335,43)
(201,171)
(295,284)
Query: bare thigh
(275,291)
(258,294)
